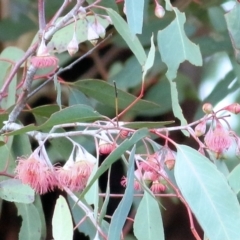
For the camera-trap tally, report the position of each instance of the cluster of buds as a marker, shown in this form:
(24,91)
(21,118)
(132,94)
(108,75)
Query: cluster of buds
(151,172)
(43,178)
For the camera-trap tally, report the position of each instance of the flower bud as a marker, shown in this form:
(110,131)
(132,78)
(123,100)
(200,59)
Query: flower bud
(72,46)
(233,108)
(124,134)
(159,10)
(207,108)
(169,160)
(200,129)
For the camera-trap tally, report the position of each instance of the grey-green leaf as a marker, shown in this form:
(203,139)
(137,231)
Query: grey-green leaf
(208,194)
(148,223)
(175,47)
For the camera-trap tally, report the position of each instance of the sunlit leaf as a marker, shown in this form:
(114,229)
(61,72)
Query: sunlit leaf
(62,225)
(134,12)
(121,213)
(31,223)
(105,93)
(208,194)
(148,221)
(132,42)
(13,190)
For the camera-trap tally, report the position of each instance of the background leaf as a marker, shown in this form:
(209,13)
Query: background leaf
(148,221)
(209,196)
(134,11)
(105,93)
(121,213)
(180,48)
(132,42)
(31,223)
(62,225)
(14,191)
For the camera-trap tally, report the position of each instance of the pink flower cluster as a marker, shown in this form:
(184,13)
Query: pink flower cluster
(35,172)
(151,172)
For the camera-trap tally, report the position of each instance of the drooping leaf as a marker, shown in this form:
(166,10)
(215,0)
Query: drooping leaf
(234,179)
(13,190)
(233,25)
(150,59)
(134,12)
(115,155)
(138,125)
(208,194)
(148,223)
(31,223)
(132,42)
(177,110)
(121,213)
(175,47)
(62,225)
(105,93)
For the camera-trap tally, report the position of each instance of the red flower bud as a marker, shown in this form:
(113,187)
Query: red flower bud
(233,108)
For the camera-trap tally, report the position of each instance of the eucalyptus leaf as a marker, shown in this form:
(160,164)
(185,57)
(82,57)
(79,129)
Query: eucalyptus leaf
(62,225)
(179,48)
(105,93)
(132,42)
(31,223)
(121,213)
(14,190)
(148,223)
(208,194)
(134,11)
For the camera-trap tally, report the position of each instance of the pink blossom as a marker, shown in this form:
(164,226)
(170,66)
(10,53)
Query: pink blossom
(36,173)
(151,164)
(74,176)
(157,187)
(218,140)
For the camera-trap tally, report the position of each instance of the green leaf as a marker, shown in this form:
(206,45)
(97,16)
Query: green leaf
(77,97)
(134,12)
(62,225)
(208,194)
(175,47)
(115,155)
(105,93)
(13,190)
(12,54)
(138,125)
(148,220)
(177,111)
(233,25)
(234,179)
(76,113)
(132,42)
(45,110)
(31,223)
(121,213)
(150,58)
